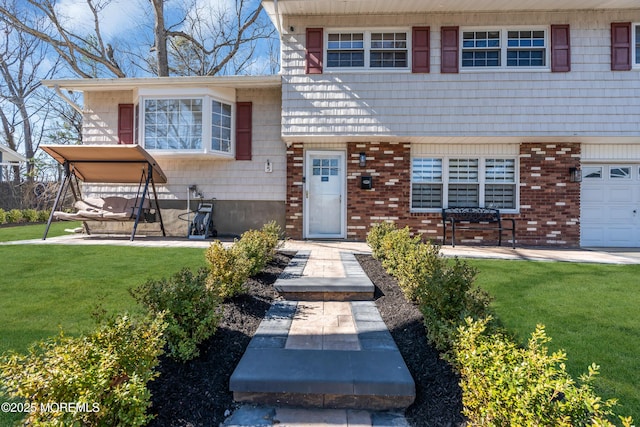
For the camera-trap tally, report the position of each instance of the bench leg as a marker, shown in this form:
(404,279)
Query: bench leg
(453,235)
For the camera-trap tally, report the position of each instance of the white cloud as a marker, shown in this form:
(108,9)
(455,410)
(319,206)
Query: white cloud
(118,17)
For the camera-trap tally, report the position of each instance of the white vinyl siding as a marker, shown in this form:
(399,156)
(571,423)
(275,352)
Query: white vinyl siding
(482,105)
(463,182)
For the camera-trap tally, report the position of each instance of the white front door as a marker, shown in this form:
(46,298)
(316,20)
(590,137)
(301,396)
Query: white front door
(324,194)
(610,205)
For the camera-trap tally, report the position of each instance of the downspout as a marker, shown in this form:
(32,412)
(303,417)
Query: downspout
(279,27)
(68,100)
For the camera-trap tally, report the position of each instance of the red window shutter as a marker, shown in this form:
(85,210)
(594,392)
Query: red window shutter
(420,50)
(314,49)
(243,130)
(125,124)
(620,46)
(449,41)
(560,49)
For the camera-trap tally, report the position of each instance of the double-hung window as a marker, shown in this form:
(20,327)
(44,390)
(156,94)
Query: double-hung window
(504,48)
(439,182)
(367,50)
(192,124)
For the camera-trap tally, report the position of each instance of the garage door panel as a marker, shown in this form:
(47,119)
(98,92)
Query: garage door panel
(620,194)
(607,210)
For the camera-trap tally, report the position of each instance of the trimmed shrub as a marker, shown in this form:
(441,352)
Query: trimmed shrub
(192,313)
(275,234)
(447,297)
(3,216)
(416,267)
(104,373)
(43,215)
(505,385)
(30,215)
(228,270)
(258,247)
(14,216)
(396,245)
(376,235)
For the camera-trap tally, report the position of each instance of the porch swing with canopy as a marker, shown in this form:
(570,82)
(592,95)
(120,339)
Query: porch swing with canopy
(107,164)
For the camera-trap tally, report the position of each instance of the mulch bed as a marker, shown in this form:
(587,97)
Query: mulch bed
(197,393)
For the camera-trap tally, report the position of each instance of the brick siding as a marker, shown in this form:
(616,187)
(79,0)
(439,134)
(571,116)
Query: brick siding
(550,203)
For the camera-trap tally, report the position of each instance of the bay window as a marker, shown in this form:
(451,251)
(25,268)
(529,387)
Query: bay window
(190,124)
(463,182)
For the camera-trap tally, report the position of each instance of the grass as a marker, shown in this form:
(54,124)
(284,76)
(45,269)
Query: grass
(44,288)
(590,311)
(36,231)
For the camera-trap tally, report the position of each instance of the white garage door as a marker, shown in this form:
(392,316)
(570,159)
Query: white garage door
(610,205)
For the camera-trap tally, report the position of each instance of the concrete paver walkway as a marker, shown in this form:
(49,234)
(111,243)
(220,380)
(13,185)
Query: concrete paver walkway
(329,353)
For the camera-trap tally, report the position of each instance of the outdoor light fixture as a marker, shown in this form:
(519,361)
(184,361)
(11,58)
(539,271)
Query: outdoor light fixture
(575,175)
(363,159)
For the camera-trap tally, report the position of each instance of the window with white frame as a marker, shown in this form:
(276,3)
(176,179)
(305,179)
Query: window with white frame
(463,182)
(367,50)
(504,48)
(186,124)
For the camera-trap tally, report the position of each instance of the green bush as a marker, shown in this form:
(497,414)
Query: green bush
(505,385)
(3,216)
(416,267)
(30,215)
(274,232)
(14,216)
(43,215)
(228,270)
(447,297)
(395,245)
(192,313)
(258,247)
(375,236)
(104,373)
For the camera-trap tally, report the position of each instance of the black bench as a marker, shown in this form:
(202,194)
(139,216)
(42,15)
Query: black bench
(475,219)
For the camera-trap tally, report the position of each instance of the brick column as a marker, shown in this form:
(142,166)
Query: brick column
(389,164)
(549,201)
(295,190)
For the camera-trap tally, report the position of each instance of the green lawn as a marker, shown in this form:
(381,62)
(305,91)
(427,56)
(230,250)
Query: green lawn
(27,232)
(590,311)
(47,287)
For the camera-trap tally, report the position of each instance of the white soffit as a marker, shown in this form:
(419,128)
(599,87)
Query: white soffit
(364,7)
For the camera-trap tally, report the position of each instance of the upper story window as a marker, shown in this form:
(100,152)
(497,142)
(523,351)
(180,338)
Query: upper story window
(367,50)
(190,124)
(463,182)
(504,48)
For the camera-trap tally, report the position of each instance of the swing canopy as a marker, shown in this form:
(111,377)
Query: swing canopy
(113,164)
(118,164)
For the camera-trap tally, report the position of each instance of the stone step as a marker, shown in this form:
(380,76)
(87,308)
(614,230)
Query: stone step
(374,376)
(326,288)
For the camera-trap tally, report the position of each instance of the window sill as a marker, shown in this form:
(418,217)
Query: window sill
(191,154)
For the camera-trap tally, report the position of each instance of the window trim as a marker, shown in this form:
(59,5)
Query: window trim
(367,49)
(635,33)
(504,48)
(482,182)
(207,122)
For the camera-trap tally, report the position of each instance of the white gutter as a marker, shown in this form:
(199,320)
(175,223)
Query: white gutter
(69,101)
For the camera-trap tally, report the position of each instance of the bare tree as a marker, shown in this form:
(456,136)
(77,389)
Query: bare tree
(22,65)
(217,38)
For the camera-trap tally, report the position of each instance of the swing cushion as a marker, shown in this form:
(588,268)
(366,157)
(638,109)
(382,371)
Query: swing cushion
(109,208)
